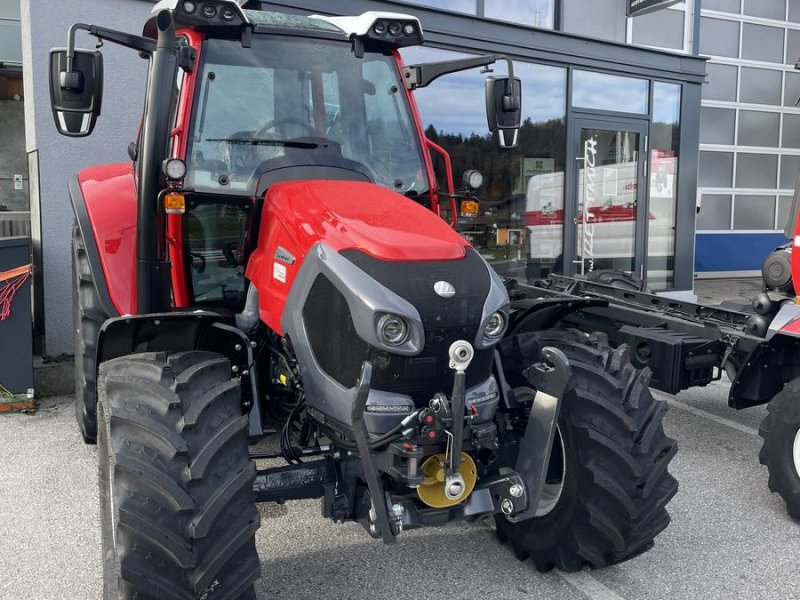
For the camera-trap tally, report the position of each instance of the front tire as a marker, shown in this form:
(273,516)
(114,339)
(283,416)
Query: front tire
(176,481)
(781,450)
(607,485)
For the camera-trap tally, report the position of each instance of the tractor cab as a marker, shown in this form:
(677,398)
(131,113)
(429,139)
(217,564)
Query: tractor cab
(242,99)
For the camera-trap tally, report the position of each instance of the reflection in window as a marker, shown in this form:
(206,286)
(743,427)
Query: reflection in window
(602,91)
(665,134)
(520,225)
(534,13)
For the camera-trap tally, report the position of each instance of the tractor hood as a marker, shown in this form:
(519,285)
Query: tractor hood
(363,216)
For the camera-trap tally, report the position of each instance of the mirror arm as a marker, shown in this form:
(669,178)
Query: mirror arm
(419,76)
(135,42)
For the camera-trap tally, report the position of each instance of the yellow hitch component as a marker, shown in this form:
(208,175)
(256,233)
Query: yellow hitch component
(431,491)
(174,203)
(469,208)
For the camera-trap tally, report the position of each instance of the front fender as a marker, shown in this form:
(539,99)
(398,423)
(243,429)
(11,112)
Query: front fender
(184,331)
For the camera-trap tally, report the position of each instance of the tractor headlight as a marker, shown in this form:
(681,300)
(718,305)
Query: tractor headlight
(392,330)
(495,325)
(174,169)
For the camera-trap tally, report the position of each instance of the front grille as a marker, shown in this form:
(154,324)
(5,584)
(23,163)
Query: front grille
(331,333)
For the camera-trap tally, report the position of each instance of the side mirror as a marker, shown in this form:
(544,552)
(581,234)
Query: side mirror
(76,91)
(504,108)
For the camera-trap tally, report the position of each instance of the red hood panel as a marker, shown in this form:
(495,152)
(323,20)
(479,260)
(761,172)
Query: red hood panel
(368,217)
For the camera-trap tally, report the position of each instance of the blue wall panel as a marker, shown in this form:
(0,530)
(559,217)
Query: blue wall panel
(734,251)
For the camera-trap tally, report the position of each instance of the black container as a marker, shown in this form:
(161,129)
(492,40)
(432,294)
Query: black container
(16,339)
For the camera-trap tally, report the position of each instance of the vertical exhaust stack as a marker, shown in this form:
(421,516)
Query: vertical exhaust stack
(152,270)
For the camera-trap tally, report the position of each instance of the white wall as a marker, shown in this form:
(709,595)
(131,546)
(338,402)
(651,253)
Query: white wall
(45,25)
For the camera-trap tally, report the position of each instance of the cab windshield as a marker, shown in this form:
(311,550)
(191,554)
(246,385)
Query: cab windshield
(300,101)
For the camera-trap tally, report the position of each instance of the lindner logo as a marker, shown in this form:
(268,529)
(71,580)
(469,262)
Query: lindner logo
(444,289)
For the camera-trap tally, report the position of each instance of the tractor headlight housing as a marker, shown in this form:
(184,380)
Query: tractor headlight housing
(174,169)
(495,325)
(392,330)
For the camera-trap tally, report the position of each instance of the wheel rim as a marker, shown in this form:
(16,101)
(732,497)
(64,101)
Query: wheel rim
(796,452)
(551,491)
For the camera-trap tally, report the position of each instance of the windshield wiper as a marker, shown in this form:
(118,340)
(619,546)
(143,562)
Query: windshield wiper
(266,142)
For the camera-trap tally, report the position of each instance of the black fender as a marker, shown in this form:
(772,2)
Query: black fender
(183,331)
(534,314)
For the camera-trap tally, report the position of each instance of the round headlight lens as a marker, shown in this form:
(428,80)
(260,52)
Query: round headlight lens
(209,11)
(392,330)
(394,29)
(379,28)
(189,7)
(495,325)
(174,169)
(408,29)
(228,13)
(473,178)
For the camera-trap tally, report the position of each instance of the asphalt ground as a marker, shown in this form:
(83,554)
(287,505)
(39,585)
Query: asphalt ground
(729,537)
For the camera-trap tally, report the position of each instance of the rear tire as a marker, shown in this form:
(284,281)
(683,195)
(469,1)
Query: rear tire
(176,481)
(88,316)
(781,450)
(608,483)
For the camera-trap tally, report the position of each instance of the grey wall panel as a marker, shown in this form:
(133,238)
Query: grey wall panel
(605,19)
(60,157)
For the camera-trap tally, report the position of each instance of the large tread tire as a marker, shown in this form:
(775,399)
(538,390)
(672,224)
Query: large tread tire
(88,315)
(780,430)
(176,481)
(615,484)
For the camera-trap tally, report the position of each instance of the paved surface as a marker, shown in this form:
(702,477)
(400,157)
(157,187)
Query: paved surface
(730,538)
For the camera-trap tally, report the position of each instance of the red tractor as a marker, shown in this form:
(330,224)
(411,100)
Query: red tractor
(272,268)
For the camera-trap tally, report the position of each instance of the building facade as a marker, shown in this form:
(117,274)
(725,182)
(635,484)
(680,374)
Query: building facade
(604,175)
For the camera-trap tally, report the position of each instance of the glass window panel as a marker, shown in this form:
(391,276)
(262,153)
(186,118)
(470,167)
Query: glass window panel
(792,91)
(602,91)
(760,42)
(756,170)
(784,211)
(720,82)
(717,125)
(791,131)
(718,37)
(731,6)
(535,13)
(716,169)
(715,212)
(758,128)
(465,6)
(792,46)
(768,9)
(663,29)
(754,212)
(524,189)
(10,10)
(10,41)
(665,133)
(794,11)
(790,169)
(760,86)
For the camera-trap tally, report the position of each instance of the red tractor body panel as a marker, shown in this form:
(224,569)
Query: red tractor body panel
(110,198)
(342,215)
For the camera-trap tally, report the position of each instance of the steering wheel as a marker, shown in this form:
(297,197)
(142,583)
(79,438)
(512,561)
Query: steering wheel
(279,125)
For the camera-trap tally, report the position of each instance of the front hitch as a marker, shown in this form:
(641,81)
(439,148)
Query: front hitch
(549,378)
